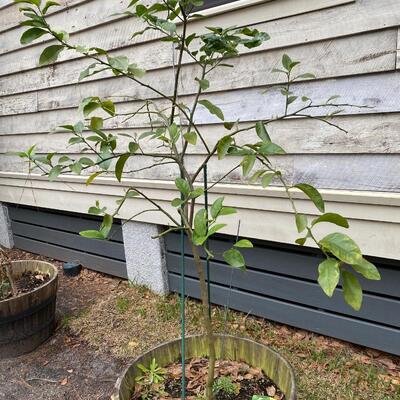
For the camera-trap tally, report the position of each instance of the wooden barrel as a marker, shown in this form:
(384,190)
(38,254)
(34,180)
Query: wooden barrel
(227,347)
(28,320)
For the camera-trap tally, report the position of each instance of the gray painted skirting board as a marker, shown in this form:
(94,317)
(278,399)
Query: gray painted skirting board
(56,235)
(280,285)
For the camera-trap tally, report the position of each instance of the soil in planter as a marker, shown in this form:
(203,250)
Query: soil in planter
(27,282)
(234,381)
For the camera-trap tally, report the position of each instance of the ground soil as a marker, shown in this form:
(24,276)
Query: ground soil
(64,368)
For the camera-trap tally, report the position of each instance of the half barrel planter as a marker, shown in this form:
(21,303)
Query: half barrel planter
(227,348)
(28,320)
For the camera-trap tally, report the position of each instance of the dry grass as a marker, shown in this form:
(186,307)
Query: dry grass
(131,320)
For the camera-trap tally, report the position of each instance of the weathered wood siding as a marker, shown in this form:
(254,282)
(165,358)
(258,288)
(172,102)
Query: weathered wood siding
(351,45)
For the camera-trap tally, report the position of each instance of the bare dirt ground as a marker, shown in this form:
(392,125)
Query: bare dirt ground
(64,368)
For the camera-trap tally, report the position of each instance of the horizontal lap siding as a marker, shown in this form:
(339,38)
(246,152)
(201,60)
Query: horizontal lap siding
(56,235)
(351,48)
(280,284)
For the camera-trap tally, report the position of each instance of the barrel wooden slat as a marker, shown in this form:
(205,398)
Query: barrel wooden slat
(29,319)
(226,347)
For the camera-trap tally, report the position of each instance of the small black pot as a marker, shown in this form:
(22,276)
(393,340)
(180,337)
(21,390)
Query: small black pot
(72,268)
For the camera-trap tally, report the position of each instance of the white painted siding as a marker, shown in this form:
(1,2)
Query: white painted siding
(351,45)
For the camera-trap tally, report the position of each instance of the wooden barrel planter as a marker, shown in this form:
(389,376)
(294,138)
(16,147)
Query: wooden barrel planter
(28,320)
(227,347)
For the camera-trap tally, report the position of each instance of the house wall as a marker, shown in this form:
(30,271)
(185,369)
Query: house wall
(350,45)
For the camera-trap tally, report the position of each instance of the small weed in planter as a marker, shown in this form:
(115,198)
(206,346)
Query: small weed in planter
(225,384)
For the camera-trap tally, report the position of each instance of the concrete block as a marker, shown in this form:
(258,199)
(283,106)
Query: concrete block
(6,237)
(145,257)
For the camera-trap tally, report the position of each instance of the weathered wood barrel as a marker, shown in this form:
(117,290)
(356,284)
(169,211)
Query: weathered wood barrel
(28,320)
(227,347)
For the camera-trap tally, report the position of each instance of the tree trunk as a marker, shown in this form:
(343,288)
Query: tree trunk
(207,321)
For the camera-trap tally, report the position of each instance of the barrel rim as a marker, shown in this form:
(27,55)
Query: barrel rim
(117,387)
(50,282)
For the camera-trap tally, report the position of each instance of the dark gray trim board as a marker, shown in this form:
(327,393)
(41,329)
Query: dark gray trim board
(280,285)
(56,234)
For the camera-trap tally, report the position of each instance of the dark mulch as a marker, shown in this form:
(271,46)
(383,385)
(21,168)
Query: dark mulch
(30,280)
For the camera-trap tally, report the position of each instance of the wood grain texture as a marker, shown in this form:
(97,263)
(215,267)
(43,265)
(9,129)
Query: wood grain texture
(27,320)
(226,347)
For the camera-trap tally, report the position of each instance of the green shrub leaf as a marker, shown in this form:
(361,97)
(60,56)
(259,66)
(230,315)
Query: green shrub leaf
(329,275)
(313,194)
(234,258)
(342,247)
(333,218)
(212,108)
(352,291)
(367,270)
(32,34)
(50,54)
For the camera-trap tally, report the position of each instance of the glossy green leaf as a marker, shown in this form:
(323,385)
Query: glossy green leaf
(367,269)
(248,164)
(96,123)
(271,149)
(183,186)
(262,132)
(203,83)
(92,234)
(223,146)
(313,195)
(191,137)
(106,224)
(48,5)
(119,166)
(329,274)
(54,172)
(50,54)
(301,222)
(216,207)
(212,108)
(200,223)
(234,258)
(177,202)
(32,34)
(245,243)
(352,291)
(267,179)
(92,177)
(342,247)
(332,218)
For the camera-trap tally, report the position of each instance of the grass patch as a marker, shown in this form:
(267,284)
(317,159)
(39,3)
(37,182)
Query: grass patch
(132,320)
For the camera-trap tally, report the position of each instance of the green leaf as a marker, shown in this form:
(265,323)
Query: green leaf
(48,5)
(329,275)
(203,83)
(177,202)
(247,164)
(223,146)
(301,222)
(367,270)
(108,106)
(216,207)
(313,194)
(196,193)
(200,223)
(212,108)
(76,168)
(227,211)
(92,234)
(183,186)
(306,76)
(119,63)
(262,132)
(93,177)
(215,228)
(234,258)
(173,132)
(286,62)
(270,149)
(352,291)
(96,123)
(50,54)
(267,179)
(333,218)
(191,137)
(301,241)
(54,172)
(32,34)
(243,243)
(135,71)
(342,247)
(106,225)
(258,397)
(34,2)
(133,147)
(119,166)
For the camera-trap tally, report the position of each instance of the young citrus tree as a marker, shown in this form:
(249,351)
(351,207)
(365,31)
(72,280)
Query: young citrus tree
(173,133)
